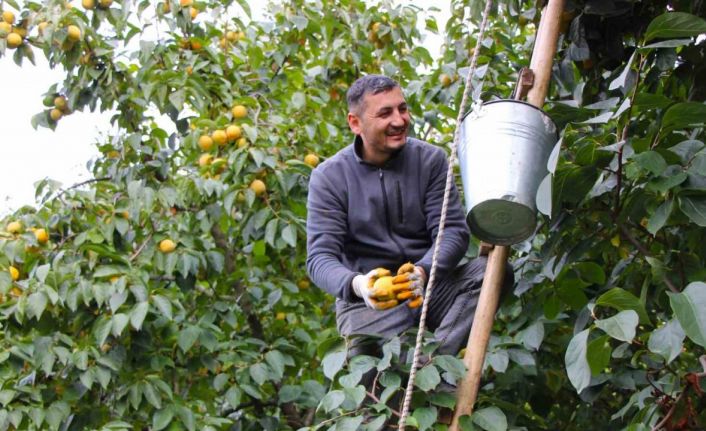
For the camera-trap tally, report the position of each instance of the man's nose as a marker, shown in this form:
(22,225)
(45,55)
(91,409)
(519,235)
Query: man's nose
(399,118)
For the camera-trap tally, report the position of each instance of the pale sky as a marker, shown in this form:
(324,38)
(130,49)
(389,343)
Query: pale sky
(28,156)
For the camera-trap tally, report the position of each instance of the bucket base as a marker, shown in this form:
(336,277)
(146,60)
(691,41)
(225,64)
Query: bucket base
(501,222)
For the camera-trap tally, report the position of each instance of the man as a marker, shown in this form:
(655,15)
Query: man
(377,204)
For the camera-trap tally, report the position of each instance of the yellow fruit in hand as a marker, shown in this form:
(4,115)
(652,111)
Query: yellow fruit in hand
(220,137)
(60,103)
(167,246)
(8,17)
(55,114)
(41,235)
(14,227)
(74,33)
(205,159)
(205,143)
(259,187)
(14,273)
(311,160)
(239,111)
(14,40)
(233,132)
(88,4)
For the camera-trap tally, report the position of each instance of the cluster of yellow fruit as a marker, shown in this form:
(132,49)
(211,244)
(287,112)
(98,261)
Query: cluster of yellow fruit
(15,228)
(14,36)
(193,12)
(91,4)
(61,108)
(231,37)
(221,137)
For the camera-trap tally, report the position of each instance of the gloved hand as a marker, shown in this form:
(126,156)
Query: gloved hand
(413,279)
(376,298)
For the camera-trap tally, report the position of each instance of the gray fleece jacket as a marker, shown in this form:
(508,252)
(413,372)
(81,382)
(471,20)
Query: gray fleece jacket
(361,217)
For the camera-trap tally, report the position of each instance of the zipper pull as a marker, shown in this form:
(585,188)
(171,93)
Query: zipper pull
(380,170)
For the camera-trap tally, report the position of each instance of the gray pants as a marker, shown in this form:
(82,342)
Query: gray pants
(450,315)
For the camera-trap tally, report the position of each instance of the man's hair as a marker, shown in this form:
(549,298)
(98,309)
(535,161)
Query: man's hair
(369,84)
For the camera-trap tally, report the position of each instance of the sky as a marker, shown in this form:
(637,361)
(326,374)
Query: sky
(28,155)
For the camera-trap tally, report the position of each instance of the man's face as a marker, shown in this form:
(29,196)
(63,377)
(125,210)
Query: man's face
(383,122)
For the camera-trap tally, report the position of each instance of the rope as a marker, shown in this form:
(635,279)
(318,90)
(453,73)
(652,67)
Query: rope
(442,221)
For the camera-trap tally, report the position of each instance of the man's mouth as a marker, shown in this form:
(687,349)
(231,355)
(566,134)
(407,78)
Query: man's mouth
(396,133)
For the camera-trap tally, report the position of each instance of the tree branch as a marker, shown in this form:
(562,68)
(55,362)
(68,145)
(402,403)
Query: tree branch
(641,248)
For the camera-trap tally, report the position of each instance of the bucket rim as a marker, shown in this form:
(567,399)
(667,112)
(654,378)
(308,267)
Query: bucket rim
(522,102)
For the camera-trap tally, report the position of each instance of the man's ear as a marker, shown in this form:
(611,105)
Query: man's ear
(354,123)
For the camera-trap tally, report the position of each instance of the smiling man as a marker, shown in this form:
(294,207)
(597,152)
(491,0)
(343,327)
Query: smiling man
(373,211)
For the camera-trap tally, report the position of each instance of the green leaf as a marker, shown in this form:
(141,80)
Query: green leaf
(667,341)
(688,307)
(289,393)
(275,360)
(332,400)
(671,25)
(119,322)
(490,419)
(590,272)
(138,313)
(56,413)
(577,366)
(651,161)
(598,354)
(36,304)
(660,216)
(163,305)
(333,362)
(349,423)
(622,326)
(233,396)
(532,336)
(620,299)
(695,208)
(685,114)
(187,337)
(451,365)
(427,378)
(425,416)
(162,418)
(289,235)
(101,329)
(41,272)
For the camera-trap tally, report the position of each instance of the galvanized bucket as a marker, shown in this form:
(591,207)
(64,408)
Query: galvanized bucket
(503,154)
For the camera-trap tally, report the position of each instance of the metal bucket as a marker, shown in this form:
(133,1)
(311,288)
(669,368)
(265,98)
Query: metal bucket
(503,154)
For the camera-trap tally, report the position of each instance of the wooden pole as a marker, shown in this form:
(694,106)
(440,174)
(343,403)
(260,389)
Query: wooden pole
(541,65)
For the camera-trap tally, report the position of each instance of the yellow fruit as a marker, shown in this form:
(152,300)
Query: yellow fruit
(8,17)
(445,80)
(166,6)
(205,159)
(223,43)
(14,40)
(16,292)
(185,3)
(105,3)
(60,103)
(205,143)
(281,316)
(615,241)
(41,235)
(42,26)
(194,12)
(242,143)
(304,284)
(259,187)
(5,28)
(311,160)
(14,227)
(241,35)
(113,154)
(55,114)
(239,111)
(220,137)
(74,33)
(88,4)
(232,36)
(233,132)
(167,246)
(189,70)
(196,45)
(14,273)
(114,279)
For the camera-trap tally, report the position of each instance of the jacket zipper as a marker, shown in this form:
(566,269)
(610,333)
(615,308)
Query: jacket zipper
(387,218)
(400,214)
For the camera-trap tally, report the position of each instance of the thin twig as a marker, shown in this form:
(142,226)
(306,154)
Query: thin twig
(670,413)
(92,180)
(141,247)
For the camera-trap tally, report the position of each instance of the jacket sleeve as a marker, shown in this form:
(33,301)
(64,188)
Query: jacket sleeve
(456,234)
(326,228)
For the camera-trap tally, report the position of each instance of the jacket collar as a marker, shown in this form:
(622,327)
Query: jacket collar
(358,152)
